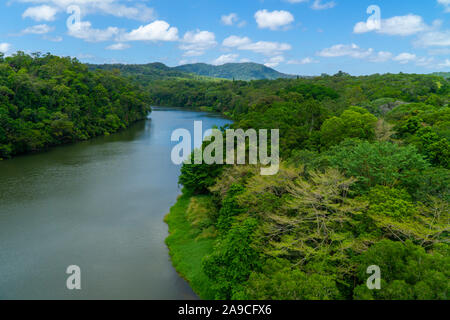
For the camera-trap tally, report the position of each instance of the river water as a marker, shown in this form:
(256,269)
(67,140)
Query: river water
(98,205)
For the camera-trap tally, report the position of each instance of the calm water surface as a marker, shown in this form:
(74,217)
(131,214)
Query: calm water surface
(99,205)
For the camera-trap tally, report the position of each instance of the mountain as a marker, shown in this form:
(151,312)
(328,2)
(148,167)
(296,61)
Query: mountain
(237,71)
(145,73)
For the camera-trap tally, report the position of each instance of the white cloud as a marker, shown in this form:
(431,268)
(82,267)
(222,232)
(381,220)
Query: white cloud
(83,30)
(226,58)
(118,46)
(354,51)
(446,4)
(112,7)
(195,43)
(306,60)
(342,50)
(274,61)
(235,41)
(156,31)
(405,58)
(273,20)
(5,47)
(318,5)
(264,47)
(434,39)
(38,29)
(381,56)
(398,26)
(230,19)
(40,13)
(445,64)
(425,62)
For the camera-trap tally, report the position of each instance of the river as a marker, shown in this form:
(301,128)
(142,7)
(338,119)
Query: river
(100,205)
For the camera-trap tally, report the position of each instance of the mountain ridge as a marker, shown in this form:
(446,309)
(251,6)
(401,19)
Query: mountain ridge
(231,71)
(237,71)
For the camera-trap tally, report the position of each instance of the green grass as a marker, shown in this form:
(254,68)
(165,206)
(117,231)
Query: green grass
(188,245)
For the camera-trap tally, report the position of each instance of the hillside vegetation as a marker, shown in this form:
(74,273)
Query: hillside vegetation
(237,71)
(364,180)
(47,101)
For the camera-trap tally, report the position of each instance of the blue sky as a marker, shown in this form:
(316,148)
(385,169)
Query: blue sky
(307,37)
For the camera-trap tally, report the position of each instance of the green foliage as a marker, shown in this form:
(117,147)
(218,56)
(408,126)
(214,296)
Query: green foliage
(355,122)
(408,272)
(188,244)
(233,71)
(233,259)
(197,178)
(379,163)
(391,202)
(47,100)
(278,281)
(230,208)
(353,190)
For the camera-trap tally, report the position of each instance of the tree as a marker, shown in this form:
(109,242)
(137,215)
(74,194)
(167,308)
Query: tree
(407,272)
(355,122)
(379,163)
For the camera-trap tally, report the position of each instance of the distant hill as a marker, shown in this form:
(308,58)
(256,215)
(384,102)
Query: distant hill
(445,75)
(237,71)
(145,73)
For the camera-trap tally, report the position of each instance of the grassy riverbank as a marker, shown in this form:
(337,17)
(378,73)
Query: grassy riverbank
(191,238)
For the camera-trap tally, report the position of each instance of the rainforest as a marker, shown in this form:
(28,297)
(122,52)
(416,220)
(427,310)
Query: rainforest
(364,177)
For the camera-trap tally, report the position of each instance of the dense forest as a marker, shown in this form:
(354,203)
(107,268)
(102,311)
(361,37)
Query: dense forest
(47,100)
(237,71)
(364,180)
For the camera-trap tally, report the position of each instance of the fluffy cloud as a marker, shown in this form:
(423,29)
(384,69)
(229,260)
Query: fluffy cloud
(405,58)
(40,13)
(273,20)
(263,47)
(399,26)
(112,7)
(38,29)
(226,58)
(5,47)
(83,30)
(230,19)
(195,43)
(274,61)
(156,31)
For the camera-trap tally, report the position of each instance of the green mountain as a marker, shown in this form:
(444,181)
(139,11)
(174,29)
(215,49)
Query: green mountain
(237,71)
(145,73)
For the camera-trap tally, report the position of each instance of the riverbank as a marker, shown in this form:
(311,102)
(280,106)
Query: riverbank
(192,238)
(100,205)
